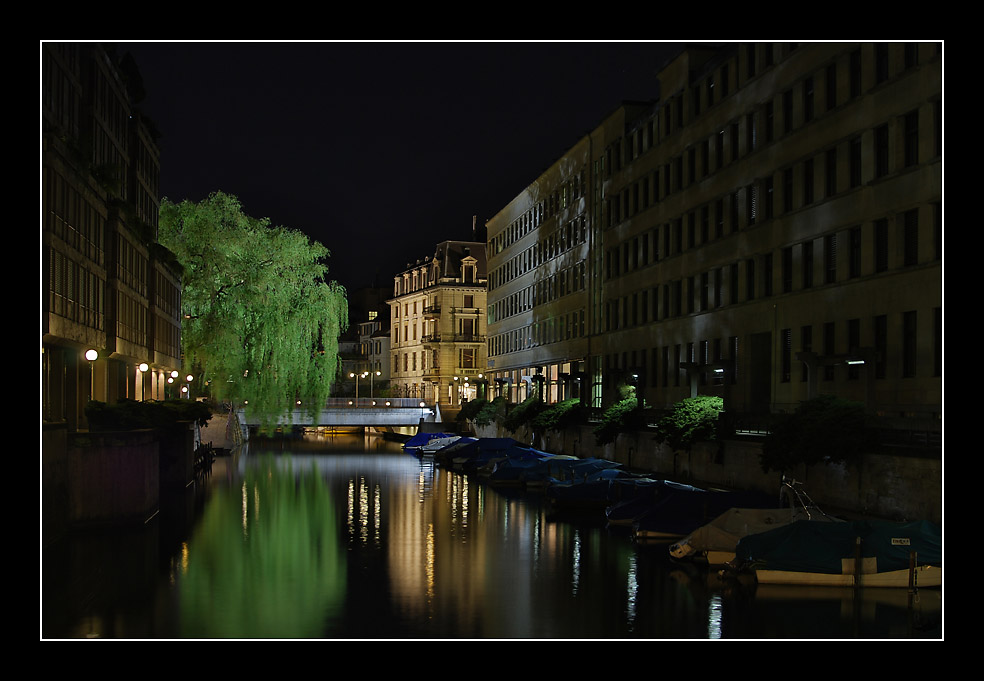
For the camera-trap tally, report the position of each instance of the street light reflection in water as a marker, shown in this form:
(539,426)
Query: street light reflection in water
(350,538)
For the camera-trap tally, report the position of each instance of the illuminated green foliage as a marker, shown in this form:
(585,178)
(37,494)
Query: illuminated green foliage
(261,323)
(558,416)
(691,420)
(620,417)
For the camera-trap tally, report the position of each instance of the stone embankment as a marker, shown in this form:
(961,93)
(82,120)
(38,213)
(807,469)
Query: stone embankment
(894,487)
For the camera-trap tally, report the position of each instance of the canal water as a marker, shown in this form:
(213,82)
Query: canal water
(347,537)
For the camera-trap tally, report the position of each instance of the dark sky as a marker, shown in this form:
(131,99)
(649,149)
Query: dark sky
(378,150)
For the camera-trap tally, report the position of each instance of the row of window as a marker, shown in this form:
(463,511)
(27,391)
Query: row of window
(559,328)
(716,85)
(557,285)
(73,219)
(561,198)
(800,266)
(664,369)
(722,216)
(468,358)
(75,293)
(556,242)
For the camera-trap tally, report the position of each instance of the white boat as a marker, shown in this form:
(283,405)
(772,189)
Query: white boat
(918,576)
(437,443)
(716,541)
(863,553)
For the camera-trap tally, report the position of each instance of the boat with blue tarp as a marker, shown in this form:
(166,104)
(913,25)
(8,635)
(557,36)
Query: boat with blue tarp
(852,553)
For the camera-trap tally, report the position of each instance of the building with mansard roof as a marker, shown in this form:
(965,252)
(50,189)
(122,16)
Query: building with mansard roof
(437,325)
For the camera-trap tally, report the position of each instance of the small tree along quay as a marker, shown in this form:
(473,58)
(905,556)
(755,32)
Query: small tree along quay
(691,420)
(824,429)
(261,323)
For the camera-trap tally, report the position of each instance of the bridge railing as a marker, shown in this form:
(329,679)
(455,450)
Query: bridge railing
(376,403)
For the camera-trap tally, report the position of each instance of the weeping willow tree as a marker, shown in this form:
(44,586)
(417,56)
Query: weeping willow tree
(261,323)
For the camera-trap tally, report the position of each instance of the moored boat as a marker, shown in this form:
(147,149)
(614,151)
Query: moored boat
(863,553)
(677,514)
(717,541)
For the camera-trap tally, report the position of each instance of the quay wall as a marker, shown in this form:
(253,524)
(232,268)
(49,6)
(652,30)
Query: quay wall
(890,486)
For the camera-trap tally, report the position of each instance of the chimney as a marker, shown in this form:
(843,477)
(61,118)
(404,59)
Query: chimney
(474,219)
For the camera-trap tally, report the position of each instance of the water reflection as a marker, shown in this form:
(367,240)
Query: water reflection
(318,538)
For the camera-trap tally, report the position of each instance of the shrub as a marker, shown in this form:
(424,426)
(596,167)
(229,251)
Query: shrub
(691,420)
(824,429)
(523,413)
(469,410)
(558,416)
(491,411)
(136,415)
(618,418)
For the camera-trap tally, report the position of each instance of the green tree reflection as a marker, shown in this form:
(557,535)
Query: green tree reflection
(269,567)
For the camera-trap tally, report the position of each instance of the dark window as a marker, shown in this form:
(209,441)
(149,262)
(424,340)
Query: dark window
(855,70)
(881,245)
(787,354)
(909,344)
(768,195)
(750,279)
(808,99)
(854,248)
(767,275)
(881,62)
(831,80)
(830,173)
(855,160)
(808,264)
(787,190)
(881,151)
(830,259)
(808,182)
(787,269)
(911,124)
(769,121)
(910,221)
(787,111)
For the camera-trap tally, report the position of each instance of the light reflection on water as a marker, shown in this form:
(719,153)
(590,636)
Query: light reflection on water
(315,538)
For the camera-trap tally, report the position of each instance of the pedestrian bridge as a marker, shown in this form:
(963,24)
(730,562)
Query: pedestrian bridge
(364,411)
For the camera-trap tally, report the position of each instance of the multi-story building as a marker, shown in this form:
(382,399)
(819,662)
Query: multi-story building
(109,290)
(768,229)
(438,326)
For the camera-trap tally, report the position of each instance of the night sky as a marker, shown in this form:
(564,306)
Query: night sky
(378,150)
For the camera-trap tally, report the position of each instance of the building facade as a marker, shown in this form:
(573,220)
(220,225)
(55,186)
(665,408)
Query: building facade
(768,229)
(438,326)
(109,290)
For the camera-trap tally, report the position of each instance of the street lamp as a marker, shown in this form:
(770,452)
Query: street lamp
(92,356)
(372,374)
(354,375)
(187,388)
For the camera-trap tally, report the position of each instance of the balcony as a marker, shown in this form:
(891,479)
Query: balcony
(456,338)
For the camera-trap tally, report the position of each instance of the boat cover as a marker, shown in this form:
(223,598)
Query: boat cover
(423,438)
(680,511)
(724,532)
(816,546)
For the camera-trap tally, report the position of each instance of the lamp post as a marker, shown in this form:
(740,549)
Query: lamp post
(354,375)
(372,374)
(187,388)
(92,356)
